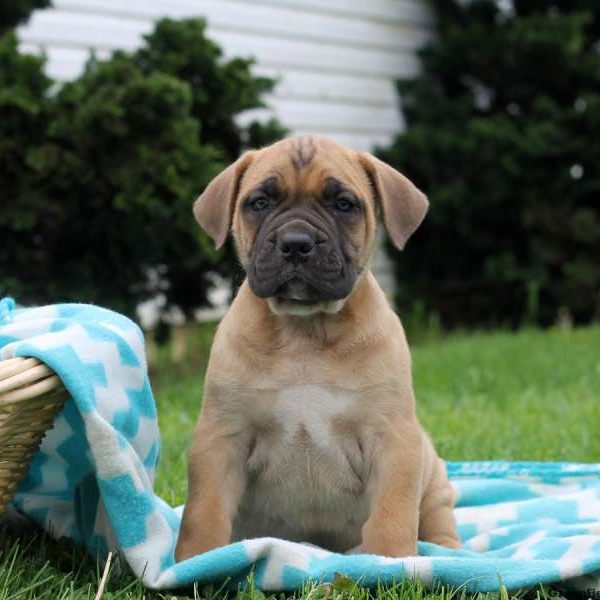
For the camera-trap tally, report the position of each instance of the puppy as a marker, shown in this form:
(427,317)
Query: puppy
(308,429)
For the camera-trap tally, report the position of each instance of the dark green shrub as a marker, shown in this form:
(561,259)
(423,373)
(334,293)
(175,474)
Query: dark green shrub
(219,89)
(24,113)
(14,12)
(121,155)
(504,136)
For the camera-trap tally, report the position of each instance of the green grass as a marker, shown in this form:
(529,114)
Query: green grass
(527,396)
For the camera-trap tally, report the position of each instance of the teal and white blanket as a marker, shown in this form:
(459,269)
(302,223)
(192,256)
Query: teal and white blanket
(521,523)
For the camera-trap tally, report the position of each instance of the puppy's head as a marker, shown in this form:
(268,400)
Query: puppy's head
(303,215)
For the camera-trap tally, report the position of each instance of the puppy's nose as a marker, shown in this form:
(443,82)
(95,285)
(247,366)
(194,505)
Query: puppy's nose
(296,245)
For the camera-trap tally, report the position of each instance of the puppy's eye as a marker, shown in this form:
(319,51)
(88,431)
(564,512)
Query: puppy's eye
(344,203)
(259,203)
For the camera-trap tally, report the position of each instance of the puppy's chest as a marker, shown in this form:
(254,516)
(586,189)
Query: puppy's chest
(307,445)
(302,420)
(311,414)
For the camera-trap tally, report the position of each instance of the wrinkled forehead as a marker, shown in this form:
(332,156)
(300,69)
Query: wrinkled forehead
(304,165)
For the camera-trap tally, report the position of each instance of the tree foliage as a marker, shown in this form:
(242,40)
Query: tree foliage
(503,133)
(14,12)
(99,204)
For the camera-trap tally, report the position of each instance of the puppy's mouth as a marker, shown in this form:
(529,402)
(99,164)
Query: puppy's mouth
(297,291)
(296,297)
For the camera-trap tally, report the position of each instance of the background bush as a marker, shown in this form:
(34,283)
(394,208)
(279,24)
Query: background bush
(13,12)
(99,177)
(504,135)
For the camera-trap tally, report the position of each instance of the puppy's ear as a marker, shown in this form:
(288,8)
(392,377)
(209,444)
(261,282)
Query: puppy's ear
(214,208)
(403,206)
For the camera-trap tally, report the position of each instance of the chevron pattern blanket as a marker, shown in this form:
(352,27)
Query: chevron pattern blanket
(522,524)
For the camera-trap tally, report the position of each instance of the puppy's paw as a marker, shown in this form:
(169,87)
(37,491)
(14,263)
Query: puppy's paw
(192,545)
(448,541)
(385,542)
(390,548)
(189,548)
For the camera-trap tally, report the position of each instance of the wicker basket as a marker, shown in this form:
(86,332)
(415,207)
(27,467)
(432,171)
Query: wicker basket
(31,395)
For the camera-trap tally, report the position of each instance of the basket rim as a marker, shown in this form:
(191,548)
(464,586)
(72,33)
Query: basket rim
(24,379)
(31,396)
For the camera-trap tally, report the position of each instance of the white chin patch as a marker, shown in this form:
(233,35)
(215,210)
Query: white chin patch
(288,307)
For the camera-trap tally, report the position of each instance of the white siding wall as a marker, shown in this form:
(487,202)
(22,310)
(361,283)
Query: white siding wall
(336,59)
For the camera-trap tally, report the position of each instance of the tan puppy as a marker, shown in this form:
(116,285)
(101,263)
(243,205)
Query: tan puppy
(308,430)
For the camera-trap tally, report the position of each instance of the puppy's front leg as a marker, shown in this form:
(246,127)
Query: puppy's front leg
(394,488)
(216,482)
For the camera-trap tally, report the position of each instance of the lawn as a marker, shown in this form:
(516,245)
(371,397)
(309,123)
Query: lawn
(530,395)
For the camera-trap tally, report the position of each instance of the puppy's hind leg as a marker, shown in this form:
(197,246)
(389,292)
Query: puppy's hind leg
(436,520)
